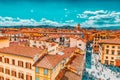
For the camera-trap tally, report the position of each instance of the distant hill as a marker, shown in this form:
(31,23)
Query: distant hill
(110,28)
(65,27)
(40,26)
(105,28)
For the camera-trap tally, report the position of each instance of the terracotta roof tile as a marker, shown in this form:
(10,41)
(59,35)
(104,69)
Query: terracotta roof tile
(12,32)
(77,62)
(66,74)
(21,51)
(50,61)
(110,41)
(3,38)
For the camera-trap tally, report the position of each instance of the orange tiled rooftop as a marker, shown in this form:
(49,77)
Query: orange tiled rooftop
(68,75)
(21,51)
(50,61)
(110,41)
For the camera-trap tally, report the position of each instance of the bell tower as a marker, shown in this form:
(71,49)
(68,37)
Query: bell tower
(78,26)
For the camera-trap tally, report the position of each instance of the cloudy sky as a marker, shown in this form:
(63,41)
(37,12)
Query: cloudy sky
(89,13)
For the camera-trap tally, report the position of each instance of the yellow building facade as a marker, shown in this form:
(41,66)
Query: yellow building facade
(97,37)
(16,62)
(109,53)
(14,67)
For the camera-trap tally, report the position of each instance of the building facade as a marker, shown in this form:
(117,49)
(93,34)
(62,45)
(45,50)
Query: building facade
(97,37)
(16,63)
(109,50)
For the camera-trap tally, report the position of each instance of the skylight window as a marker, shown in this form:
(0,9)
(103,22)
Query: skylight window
(60,53)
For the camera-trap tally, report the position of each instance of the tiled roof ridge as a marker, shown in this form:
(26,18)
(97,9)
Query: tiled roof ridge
(49,62)
(40,58)
(15,50)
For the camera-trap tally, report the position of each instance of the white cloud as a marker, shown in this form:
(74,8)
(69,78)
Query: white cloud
(82,16)
(95,12)
(9,21)
(31,10)
(69,21)
(65,9)
(100,18)
(66,15)
(44,21)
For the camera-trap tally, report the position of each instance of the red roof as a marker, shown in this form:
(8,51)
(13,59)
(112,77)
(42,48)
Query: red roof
(68,75)
(77,62)
(50,61)
(12,32)
(110,41)
(21,51)
(3,38)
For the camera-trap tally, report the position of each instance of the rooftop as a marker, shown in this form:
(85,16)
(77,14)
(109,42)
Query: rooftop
(3,38)
(50,61)
(21,51)
(110,41)
(68,75)
(76,62)
(11,32)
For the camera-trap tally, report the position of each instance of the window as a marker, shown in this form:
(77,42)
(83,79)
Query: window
(7,79)
(13,73)
(28,65)
(13,62)
(119,53)
(28,77)
(107,51)
(0,59)
(111,62)
(79,44)
(103,48)
(1,78)
(2,69)
(113,52)
(34,45)
(106,61)
(113,46)
(118,47)
(112,57)
(106,57)
(37,78)
(20,75)
(37,70)
(34,42)
(6,60)
(45,72)
(107,46)
(7,71)
(20,63)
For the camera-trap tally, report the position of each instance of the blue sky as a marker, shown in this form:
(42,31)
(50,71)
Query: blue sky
(89,13)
